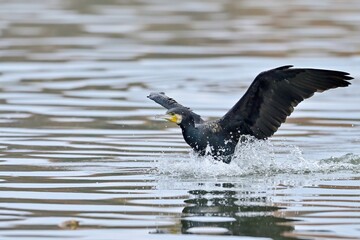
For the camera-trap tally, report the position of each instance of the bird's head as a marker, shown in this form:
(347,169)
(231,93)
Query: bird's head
(178,115)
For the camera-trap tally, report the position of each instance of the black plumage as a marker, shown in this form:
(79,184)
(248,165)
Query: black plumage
(267,103)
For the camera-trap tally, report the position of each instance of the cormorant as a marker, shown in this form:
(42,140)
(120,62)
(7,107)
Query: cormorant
(267,103)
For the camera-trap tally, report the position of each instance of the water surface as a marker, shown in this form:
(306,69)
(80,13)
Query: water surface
(82,155)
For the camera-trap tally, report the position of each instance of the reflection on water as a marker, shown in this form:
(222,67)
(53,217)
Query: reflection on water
(243,217)
(83,157)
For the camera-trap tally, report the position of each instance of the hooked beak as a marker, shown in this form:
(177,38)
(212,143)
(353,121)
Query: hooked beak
(175,118)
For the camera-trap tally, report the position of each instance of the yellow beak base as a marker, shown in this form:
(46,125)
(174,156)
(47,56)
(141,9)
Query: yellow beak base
(175,118)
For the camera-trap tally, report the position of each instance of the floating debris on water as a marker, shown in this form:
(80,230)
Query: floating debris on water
(70,224)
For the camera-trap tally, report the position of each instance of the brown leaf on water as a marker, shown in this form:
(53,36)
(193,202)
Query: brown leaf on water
(70,224)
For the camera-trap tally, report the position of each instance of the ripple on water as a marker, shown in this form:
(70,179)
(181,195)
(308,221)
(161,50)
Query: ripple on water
(79,142)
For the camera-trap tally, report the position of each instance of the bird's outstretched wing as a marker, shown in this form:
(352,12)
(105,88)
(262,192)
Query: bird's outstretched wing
(168,103)
(272,96)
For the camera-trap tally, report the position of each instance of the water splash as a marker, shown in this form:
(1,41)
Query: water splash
(348,161)
(253,157)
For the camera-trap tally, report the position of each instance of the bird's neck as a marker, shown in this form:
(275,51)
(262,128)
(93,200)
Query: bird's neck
(190,134)
(188,127)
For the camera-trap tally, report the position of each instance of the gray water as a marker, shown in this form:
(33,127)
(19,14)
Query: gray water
(83,157)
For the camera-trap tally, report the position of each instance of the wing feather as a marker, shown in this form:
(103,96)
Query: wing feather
(168,103)
(272,96)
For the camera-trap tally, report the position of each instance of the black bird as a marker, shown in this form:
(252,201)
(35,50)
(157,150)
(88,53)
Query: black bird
(267,103)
